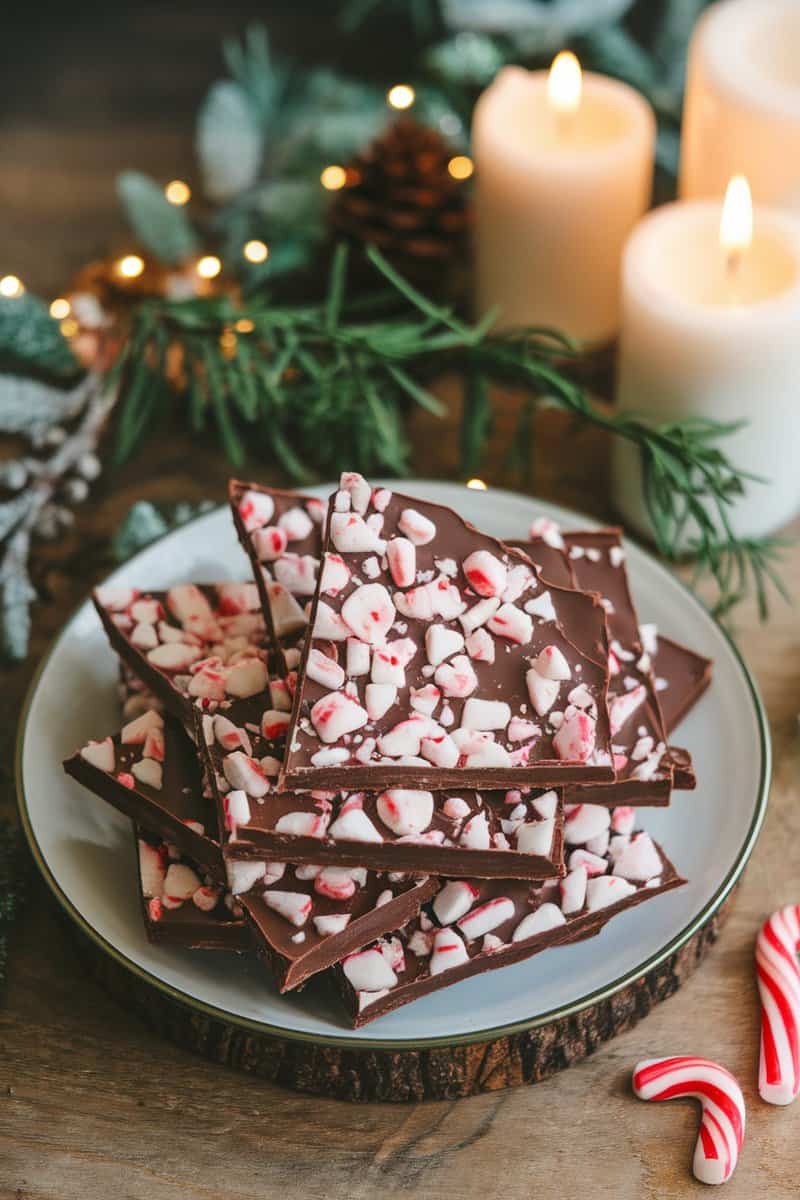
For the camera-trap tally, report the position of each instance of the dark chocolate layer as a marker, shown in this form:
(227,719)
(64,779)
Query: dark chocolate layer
(294,938)
(281,534)
(208,919)
(201,644)
(456,582)
(157,782)
(475,926)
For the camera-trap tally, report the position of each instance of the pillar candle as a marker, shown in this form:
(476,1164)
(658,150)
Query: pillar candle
(564,169)
(711,328)
(742,108)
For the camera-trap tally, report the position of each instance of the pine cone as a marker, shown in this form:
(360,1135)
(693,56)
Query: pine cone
(400,197)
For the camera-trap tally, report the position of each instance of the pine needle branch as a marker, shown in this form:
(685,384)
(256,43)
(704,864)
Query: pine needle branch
(327,386)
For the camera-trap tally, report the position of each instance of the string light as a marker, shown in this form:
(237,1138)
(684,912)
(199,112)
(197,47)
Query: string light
(60,308)
(178,192)
(228,343)
(461,167)
(244,325)
(69,327)
(209,266)
(256,251)
(477,485)
(401,96)
(333,178)
(11,286)
(131,266)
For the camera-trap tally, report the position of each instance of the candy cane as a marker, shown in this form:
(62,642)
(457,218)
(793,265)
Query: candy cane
(779,987)
(722,1122)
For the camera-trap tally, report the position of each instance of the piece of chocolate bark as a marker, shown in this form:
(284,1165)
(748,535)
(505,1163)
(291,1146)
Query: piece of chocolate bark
(150,771)
(642,761)
(281,533)
(304,920)
(307,918)
(435,661)
(183,906)
(472,926)
(681,675)
(191,644)
(401,829)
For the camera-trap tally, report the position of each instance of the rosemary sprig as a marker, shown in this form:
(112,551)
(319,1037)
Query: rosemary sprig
(326,386)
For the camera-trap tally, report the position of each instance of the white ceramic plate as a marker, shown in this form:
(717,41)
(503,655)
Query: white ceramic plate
(85,851)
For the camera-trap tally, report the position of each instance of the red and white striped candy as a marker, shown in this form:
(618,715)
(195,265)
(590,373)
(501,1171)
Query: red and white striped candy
(723,1116)
(779,988)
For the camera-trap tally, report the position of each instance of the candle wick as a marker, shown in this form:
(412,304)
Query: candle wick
(733,260)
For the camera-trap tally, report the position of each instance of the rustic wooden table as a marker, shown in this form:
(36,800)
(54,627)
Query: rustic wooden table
(91,1103)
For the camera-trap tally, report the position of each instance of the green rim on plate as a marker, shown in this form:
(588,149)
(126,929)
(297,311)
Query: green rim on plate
(345,1041)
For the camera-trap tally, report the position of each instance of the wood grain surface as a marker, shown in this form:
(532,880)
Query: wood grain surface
(95,1105)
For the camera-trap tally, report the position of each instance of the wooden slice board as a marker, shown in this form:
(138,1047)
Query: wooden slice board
(372,1074)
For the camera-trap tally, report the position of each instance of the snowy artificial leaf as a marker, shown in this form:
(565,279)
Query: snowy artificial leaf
(229,142)
(163,228)
(534,23)
(30,340)
(468,59)
(16,596)
(144,523)
(251,65)
(28,406)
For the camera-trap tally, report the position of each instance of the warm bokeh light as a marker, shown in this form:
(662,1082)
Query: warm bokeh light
(178,192)
(564,83)
(333,178)
(461,167)
(401,96)
(244,325)
(69,327)
(209,266)
(130,266)
(256,251)
(477,485)
(736,224)
(60,308)
(11,286)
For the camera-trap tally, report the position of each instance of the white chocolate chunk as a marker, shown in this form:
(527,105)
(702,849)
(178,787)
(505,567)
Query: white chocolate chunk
(406,811)
(547,916)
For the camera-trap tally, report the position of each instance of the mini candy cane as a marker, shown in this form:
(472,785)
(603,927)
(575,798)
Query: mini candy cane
(722,1123)
(779,987)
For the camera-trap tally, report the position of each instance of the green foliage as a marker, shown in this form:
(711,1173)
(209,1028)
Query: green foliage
(324,387)
(31,341)
(229,141)
(144,523)
(163,228)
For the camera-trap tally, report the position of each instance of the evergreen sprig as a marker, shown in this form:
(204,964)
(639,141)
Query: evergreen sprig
(326,386)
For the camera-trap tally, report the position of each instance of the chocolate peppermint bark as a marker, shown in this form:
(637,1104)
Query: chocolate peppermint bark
(642,760)
(598,559)
(281,533)
(193,644)
(472,926)
(681,675)
(435,662)
(307,918)
(183,906)
(516,832)
(150,772)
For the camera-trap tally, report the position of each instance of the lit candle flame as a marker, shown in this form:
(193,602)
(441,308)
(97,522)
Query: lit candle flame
(564,84)
(736,225)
